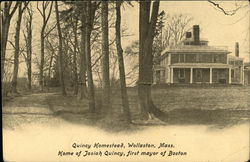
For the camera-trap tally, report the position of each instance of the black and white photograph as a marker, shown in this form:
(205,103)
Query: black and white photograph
(114,80)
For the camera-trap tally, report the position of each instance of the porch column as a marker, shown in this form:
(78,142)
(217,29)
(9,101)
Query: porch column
(154,76)
(211,76)
(172,75)
(169,59)
(191,75)
(229,75)
(243,76)
(169,75)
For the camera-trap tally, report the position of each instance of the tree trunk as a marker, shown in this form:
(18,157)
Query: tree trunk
(4,39)
(91,91)
(146,36)
(45,18)
(144,84)
(60,51)
(125,102)
(74,59)
(17,49)
(105,57)
(29,52)
(41,77)
(50,66)
(82,93)
(6,16)
(28,42)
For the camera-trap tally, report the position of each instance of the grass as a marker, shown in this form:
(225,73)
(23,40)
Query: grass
(200,104)
(202,97)
(215,105)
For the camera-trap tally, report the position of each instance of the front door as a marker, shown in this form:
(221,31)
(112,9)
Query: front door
(198,75)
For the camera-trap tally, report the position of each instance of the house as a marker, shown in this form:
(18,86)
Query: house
(194,61)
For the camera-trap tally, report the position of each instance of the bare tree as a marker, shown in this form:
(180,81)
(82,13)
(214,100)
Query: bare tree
(147,27)
(82,93)
(21,9)
(28,41)
(105,57)
(125,102)
(90,13)
(7,12)
(75,56)
(45,12)
(52,49)
(178,24)
(60,51)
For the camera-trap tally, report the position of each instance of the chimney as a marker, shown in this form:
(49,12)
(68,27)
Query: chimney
(237,49)
(196,33)
(188,34)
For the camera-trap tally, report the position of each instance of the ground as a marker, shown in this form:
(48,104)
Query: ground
(210,105)
(211,116)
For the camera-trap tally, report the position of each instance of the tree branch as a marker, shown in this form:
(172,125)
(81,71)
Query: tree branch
(49,12)
(14,9)
(50,30)
(228,13)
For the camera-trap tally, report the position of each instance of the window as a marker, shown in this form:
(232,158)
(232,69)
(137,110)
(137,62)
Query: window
(163,74)
(207,58)
(199,73)
(216,59)
(181,58)
(220,58)
(181,73)
(174,58)
(198,58)
(238,63)
(231,62)
(190,58)
(232,73)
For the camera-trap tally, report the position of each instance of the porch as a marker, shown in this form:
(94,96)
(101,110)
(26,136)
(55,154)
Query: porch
(194,73)
(200,75)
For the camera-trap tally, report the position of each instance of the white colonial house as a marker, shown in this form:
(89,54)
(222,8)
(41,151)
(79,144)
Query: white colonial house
(194,61)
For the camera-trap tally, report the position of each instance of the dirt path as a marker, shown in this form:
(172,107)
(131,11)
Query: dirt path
(28,104)
(27,109)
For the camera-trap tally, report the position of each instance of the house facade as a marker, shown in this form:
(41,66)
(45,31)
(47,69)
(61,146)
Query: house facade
(194,61)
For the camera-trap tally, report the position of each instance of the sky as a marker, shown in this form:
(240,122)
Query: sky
(219,29)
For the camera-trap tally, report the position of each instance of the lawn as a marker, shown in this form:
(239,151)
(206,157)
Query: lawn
(199,104)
